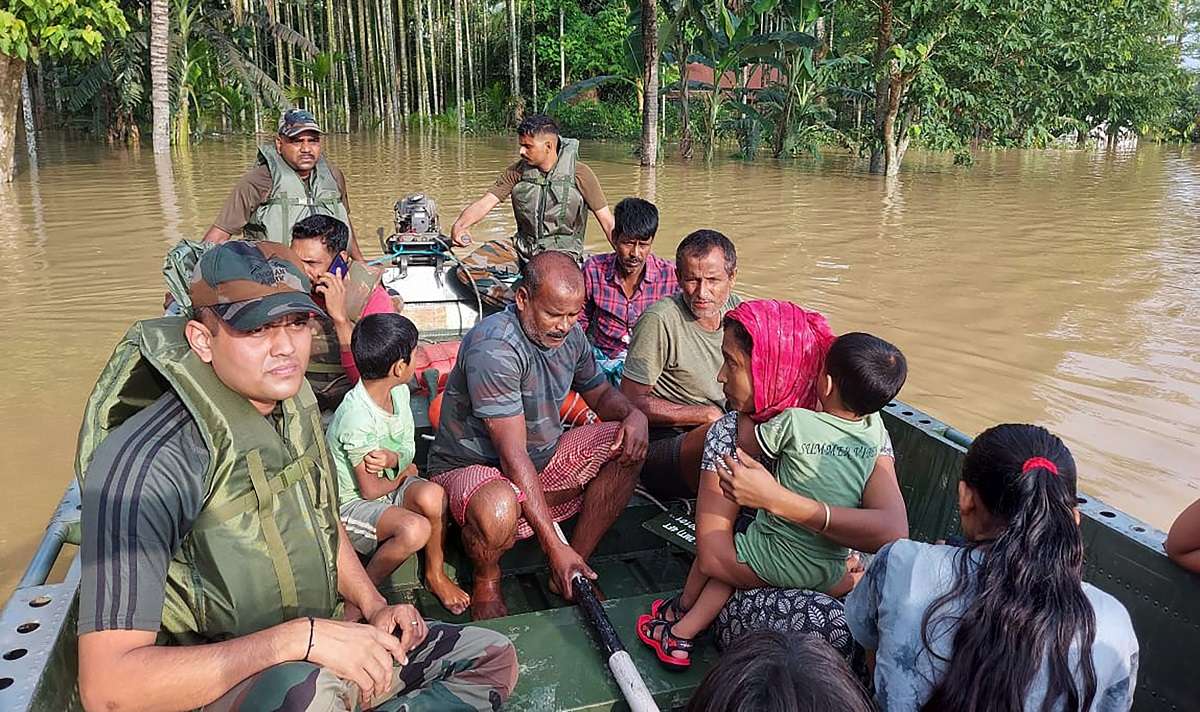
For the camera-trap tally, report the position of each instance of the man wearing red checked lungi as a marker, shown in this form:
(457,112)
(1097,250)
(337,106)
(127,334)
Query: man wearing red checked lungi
(508,468)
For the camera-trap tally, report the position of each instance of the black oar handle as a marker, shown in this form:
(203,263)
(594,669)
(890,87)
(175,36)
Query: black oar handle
(589,603)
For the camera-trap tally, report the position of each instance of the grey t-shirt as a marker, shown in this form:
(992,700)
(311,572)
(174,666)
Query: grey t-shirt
(673,354)
(885,612)
(141,494)
(501,373)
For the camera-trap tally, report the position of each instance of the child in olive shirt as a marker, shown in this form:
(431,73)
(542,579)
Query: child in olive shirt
(389,512)
(826,456)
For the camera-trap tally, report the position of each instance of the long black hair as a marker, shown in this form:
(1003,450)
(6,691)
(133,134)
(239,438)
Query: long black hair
(766,671)
(1026,604)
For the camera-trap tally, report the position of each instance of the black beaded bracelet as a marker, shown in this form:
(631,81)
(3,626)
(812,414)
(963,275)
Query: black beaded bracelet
(311,627)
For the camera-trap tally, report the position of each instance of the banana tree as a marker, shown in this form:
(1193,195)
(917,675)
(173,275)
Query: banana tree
(728,42)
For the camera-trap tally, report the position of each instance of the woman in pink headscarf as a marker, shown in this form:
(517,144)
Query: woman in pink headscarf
(774,357)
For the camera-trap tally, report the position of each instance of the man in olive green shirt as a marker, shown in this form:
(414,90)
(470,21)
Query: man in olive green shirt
(673,360)
(540,145)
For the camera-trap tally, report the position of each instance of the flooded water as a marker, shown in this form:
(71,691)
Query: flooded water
(1052,287)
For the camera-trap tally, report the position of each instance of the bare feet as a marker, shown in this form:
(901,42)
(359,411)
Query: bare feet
(487,601)
(452,597)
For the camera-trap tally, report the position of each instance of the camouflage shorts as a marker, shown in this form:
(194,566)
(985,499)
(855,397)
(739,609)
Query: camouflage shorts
(454,668)
(494,270)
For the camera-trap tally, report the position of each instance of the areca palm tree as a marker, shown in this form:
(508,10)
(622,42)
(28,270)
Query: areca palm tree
(160,91)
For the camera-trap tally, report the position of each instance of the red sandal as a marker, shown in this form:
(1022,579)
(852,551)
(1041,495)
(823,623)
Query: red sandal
(665,643)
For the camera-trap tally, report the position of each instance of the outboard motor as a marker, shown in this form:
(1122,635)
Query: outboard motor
(416,215)
(419,270)
(416,222)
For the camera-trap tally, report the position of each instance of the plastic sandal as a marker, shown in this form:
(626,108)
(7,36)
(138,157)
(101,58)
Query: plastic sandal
(664,606)
(665,643)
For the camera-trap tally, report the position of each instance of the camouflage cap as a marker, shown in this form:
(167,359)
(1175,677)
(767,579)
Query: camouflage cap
(250,284)
(294,122)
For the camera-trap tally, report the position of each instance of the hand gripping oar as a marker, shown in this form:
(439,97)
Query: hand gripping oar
(619,662)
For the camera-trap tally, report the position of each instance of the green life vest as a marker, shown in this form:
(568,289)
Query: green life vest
(264,548)
(325,371)
(550,211)
(292,198)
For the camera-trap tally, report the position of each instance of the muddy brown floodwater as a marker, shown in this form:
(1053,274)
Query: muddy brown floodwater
(1054,287)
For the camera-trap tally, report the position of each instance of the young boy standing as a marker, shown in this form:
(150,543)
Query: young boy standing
(389,512)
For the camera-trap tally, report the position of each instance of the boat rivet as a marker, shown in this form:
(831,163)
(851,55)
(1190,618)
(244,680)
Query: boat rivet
(15,654)
(39,601)
(28,627)
(5,683)
(906,412)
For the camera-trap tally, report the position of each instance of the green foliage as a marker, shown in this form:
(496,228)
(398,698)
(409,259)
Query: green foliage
(974,72)
(593,119)
(60,28)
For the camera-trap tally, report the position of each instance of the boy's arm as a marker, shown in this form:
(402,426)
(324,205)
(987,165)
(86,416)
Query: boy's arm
(373,486)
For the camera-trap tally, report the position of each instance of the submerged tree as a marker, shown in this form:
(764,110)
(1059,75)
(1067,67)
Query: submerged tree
(34,29)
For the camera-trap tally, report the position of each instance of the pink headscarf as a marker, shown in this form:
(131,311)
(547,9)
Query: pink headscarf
(788,349)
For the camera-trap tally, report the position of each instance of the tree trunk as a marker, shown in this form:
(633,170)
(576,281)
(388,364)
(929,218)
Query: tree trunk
(160,92)
(884,123)
(514,65)
(439,101)
(273,16)
(470,53)
(402,40)
(685,119)
(11,70)
(650,83)
(533,49)
(562,49)
(422,85)
(460,109)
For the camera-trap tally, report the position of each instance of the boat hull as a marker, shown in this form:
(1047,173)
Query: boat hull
(562,666)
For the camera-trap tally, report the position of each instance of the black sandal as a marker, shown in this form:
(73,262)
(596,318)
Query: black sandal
(662,607)
(666,642)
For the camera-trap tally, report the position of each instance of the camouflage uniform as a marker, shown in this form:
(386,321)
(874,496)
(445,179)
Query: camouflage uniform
(494,270)
(454,668)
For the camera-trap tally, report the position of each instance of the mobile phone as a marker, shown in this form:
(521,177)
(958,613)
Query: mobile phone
(339,268)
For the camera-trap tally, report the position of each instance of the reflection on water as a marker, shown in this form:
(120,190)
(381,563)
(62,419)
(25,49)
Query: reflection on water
(1052,287)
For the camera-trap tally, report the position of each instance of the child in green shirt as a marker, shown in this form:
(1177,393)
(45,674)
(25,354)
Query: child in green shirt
(389,512)
(826,456)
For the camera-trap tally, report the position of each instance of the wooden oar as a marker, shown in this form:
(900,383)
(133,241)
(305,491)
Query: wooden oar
(619,663)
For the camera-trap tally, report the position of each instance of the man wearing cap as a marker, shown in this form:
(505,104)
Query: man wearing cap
(212,556)
(289,182)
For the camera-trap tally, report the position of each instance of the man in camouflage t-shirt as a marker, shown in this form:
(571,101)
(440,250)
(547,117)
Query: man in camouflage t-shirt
(501,454)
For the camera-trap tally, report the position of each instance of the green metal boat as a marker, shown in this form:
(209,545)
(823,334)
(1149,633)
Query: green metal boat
(562,666)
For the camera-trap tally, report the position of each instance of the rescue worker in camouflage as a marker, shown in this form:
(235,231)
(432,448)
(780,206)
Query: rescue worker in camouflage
(290,181)
(552,192)
(212,557)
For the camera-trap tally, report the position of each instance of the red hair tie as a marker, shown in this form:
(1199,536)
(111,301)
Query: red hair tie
(1035,462)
